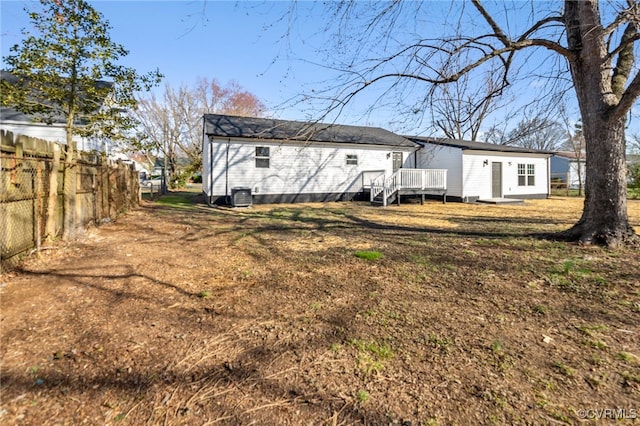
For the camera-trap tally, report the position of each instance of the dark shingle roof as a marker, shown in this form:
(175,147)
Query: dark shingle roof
(229,126)
(53,117)
(10,114)
(478,146)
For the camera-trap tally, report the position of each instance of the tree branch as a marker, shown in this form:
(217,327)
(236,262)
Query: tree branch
(624,16)
(523,41)
(628,98)
(492,23)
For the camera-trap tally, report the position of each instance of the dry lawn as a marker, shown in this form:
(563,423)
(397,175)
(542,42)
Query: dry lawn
(181,314)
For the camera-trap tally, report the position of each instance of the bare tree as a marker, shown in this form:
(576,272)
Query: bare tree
(573,44)
(459,109)
(633,144)
(537,133)
(575,144)
(172,125)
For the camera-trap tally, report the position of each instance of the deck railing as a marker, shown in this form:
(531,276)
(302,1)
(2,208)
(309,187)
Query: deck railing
(410,179)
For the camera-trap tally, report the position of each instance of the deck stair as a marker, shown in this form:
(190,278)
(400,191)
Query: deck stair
(388,189)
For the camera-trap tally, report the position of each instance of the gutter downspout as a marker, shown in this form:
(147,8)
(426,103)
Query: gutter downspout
(226,174)
(549,176)
(209,192)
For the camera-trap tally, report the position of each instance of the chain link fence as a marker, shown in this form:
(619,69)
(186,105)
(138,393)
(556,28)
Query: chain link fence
(31,212)
(24,185)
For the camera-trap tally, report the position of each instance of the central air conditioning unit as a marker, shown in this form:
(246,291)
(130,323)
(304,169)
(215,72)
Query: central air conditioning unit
(241,197)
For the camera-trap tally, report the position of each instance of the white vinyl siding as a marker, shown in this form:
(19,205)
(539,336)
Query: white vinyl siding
(293,168)
(477,175)
(444,157)
(55,133)
(469,171)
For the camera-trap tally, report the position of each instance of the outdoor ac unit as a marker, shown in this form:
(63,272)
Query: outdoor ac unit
(241,197)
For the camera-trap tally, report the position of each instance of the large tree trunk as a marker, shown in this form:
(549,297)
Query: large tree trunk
(604,218)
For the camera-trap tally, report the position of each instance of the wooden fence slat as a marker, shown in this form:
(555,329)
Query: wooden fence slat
(33,176)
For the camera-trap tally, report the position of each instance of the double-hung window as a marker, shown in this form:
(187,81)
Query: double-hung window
(262,157)
(526,174)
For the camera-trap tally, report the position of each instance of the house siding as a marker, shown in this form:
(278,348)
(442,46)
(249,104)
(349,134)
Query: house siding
(51,133)
(444,157)
(297,172)
(469,179)
(477,175)
(567,170)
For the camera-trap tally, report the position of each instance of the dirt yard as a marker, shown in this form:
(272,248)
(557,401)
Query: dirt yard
(323,314)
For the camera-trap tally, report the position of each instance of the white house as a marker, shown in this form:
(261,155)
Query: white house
(47,128)
(278,161)
(22,124)
(478,171)
(569,168)
(274,161)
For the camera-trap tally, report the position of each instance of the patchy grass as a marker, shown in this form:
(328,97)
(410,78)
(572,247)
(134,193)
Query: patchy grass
(179,313)
(368,255)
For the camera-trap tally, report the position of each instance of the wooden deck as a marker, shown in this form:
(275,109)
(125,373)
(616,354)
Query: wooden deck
(385,190)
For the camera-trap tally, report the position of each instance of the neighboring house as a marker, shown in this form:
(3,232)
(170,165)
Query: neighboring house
(633,170)
(280,161)
(480,171)
(564,169)
(49,129)
(22,124)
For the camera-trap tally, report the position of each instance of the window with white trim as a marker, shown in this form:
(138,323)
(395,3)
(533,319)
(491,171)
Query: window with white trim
(526,174)
(262,157)
(352,160)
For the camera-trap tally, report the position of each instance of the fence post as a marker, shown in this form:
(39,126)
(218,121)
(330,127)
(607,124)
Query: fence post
(37,205)
(70,190)
(52,202)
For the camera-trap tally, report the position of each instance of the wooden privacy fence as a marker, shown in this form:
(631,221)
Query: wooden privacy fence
(48,191)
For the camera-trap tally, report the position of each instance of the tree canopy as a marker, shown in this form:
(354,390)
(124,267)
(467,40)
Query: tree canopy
(66,70)
(171,125)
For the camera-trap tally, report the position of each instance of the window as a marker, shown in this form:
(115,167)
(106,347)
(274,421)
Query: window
(352,159)
(262,157)
(526,174)
(531,171)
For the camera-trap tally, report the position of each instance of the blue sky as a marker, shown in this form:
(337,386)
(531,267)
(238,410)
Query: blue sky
(187,40)
(227,40)
(241,41)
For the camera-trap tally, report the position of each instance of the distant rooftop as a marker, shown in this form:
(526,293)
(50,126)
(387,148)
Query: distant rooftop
(8,114)
(571,155)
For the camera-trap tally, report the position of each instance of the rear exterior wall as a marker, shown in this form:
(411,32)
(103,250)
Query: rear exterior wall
(469,177)
(444,157)
(296,172)
(477,170)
